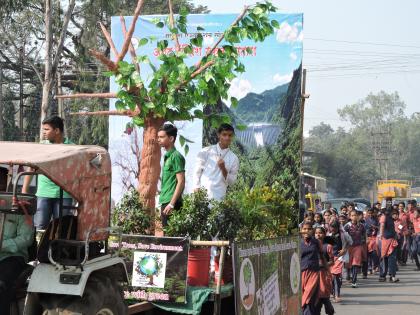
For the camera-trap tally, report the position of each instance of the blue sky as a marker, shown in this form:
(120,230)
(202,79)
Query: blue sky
(352,48)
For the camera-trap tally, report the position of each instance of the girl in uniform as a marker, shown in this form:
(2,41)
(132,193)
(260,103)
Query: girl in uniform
(310,266)
(388,247)
(325,278)
(339,250)
(358,234)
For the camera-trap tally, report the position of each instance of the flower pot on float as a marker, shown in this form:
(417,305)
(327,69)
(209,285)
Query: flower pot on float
(227,275)
(198,267)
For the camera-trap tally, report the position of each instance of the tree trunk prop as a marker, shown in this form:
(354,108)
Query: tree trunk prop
(150,164)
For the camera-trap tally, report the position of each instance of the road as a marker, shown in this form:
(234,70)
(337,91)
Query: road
(375,298)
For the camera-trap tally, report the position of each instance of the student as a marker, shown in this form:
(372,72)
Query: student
(173,173)
(310,250)
(308,217)
(411,207)
(343,210)
(339,250)
(325,278)
(372,228)
(317,220)
(358,234)
(398,232)
(48,193)
(217,166)
(403,254)
(416,237)
(388,247)
(327,219)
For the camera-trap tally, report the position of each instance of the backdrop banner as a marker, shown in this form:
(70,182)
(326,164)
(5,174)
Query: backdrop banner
(267,118)
(267,276)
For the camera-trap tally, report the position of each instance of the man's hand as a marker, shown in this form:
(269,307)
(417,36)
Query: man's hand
(168,209)
(222,166)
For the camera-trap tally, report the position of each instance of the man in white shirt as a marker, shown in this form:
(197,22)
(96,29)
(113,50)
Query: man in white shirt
(217,166)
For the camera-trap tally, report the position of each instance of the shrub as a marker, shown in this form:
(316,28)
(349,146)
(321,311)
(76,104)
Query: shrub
(130,215)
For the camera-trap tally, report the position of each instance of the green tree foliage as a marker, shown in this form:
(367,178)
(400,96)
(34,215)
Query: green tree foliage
(346,157)
(175,89)
(374,110)
(21,24)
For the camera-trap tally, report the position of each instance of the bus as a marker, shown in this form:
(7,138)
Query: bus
(315,188)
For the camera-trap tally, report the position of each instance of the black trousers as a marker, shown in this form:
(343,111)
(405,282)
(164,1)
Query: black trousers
(10,269)
(163,217)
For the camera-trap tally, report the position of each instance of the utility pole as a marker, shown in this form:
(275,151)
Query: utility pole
(381,146)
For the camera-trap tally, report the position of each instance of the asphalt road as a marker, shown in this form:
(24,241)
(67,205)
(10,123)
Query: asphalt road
(382,298)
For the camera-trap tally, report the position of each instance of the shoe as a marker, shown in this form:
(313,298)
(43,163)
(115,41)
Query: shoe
(417,269)
(394,280)
(382,279)
(364,277)
(370,272)
(354,285)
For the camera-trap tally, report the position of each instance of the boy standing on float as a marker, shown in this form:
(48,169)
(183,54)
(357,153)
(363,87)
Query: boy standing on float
(217,166)
(173,173)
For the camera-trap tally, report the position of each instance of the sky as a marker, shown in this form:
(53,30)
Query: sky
(350,49)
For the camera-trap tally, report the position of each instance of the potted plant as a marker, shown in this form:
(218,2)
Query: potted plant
(192,221)
(224,222)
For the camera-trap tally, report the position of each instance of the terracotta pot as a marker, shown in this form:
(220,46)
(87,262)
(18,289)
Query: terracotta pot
(227,276)
(198,267)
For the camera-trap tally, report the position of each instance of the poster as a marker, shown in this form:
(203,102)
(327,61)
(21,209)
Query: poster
(267,277)
(157,267)
(269,94)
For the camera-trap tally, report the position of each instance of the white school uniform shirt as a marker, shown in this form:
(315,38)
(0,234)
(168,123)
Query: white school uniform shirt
(208,175)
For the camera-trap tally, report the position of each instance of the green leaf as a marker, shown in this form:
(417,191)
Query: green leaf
(199,28)
(150,105)
(275,24)
(160,24)
(119,105)
(184,11)
(258,10)
(143,41)
(198,114)
(181,140)
(208,76)
(162,44)
(188,49)
(186,149)
(241,127)
(109,73)
(138,121)
(234,102)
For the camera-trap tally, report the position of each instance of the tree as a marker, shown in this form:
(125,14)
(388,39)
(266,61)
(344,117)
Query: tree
(374,110)
(51,61)
(176,89)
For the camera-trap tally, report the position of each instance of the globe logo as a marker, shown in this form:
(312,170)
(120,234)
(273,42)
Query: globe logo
(148,266)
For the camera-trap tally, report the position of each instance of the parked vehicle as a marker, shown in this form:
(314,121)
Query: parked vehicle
(75,273)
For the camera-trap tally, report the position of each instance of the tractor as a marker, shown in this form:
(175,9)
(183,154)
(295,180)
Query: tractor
(74,272)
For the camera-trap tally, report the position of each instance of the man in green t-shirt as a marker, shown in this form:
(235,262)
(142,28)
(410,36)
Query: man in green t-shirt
(48,193)
(173,173)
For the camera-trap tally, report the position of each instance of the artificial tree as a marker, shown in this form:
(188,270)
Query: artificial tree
(176,91)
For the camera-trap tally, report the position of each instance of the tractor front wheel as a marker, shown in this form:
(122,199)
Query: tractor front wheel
(102,296)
